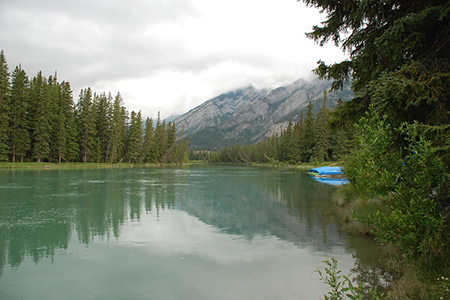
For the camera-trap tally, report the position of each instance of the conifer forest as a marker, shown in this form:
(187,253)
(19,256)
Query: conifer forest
(313,138)
(39,121)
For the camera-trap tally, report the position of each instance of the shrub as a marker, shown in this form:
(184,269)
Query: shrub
(410,181)
(342,286)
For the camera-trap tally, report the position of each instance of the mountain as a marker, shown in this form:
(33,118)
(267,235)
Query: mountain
(247,115)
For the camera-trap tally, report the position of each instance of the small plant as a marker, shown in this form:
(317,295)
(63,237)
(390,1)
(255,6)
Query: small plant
(342,286)
(443,285)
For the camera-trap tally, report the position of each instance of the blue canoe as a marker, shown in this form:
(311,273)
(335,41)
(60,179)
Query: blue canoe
(327,171)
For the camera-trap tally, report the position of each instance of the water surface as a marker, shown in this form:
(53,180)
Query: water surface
(196,232)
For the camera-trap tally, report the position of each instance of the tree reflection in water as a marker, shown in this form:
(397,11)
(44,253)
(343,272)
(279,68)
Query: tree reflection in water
(41,212)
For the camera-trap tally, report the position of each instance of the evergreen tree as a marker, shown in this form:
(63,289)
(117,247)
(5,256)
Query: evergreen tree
(383,37)
(399,60)
(40,118)
(102,107)
(342,133)
(72,149)
(86,121)
(135,137)
(171,143)
(4,108)
(285,153)
(118,133)
(298,139)
(309,134)
(19,129)
(322,146)
(171,135)
(145,155)
(273,147)
(159,141)
(182,147)
(56,119)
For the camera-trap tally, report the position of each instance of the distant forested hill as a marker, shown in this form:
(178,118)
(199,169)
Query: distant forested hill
(247,115)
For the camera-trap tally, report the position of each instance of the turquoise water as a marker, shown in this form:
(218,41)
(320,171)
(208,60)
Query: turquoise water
(195,232)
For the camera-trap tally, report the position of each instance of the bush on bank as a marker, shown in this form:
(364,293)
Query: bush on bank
(399,192)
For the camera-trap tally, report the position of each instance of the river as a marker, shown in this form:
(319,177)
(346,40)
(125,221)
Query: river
(193,232)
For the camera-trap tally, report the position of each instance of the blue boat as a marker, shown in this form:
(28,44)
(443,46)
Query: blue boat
(329,171)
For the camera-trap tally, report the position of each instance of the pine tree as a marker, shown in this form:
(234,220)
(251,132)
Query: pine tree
(342,133)
(298,140)
(102,106)
(118,133)
(286,143)
(19,128)
(135,137)
(145,155)
(322,146)
(399,60)
(86,121)
(40,118)
(182,148)
(4,108)
(309,134)
(171,143)
(171,134)
(56,119)
(273,145)
(72,149)
(158,142)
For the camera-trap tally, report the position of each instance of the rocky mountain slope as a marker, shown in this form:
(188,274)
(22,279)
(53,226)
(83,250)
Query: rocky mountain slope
(247,115)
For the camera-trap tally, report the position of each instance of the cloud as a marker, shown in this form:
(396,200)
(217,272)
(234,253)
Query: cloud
(162,55)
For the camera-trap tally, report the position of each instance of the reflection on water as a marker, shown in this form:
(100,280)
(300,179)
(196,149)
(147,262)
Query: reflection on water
(262,230)
(331,181)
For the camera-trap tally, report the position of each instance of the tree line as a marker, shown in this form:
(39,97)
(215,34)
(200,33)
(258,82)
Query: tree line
(39,121)
(311,139)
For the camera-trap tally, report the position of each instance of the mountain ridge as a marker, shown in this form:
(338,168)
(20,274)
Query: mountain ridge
(247,115)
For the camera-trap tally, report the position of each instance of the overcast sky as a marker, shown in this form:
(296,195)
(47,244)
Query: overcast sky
(163,55)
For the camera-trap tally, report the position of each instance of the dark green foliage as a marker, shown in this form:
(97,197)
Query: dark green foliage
(414,92)
(19,127)
(72,150)
(118,130)
(87,130)
(170,140)
(285,147)
(56,120)
(181,149)
(399,60)
(322,146)
(148,136)
(102,108)
(410,181)
(309,134)
(158,141)
(298,139)
(39,121)
(308,140)
(380,36)
(4,107)
(135,133)
(40,118)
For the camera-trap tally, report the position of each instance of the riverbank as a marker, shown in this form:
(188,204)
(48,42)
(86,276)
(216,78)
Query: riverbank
(410,278)
(70,165)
